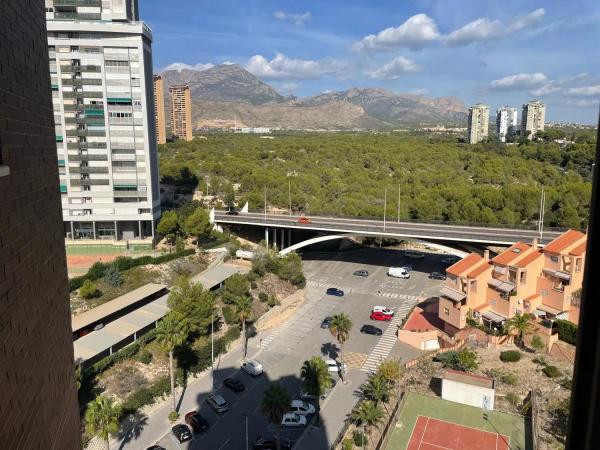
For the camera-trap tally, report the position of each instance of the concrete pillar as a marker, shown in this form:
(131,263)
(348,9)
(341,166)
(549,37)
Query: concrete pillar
(72,231)
(289,237)
(140,230)
(110,351)
(152,226)
(116,231)
(135,336)
(267,236)
(282,242)
(94,229)
(274,237)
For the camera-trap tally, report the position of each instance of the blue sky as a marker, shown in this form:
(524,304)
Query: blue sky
(499,53)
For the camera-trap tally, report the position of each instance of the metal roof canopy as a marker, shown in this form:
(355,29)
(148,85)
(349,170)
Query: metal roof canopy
(493,317)
(216,276)
(453,294)
(502,286)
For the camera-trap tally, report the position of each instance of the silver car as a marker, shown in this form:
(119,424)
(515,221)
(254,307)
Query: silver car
(217,402)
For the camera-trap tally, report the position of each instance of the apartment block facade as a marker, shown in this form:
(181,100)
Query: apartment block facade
(181,112)
(525,279)
(102,92)
(533,118)
(159,109)
(506,122)
(477,127)
(38,395)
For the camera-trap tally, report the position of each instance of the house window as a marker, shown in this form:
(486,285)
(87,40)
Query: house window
(554,259)
(446,311)
(578,265)
(474,286)
(523,278)
(544,292)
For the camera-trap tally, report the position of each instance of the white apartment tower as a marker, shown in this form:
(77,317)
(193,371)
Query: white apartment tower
(477,128)
(532,118)
(102,89)
(506,122)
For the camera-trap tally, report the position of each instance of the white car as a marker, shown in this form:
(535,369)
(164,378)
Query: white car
(398,272)
(252,367)
(302,408)
(293,420)
(384,310)
(334,366)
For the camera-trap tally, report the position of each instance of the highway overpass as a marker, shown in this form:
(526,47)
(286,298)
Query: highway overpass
(483,234)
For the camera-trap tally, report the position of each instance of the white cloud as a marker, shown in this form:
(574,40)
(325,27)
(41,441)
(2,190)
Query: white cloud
(584,91)
(298,19)
(395,69)
(417,32)
(519,81)
(282,67)
(180,66)
(484,29)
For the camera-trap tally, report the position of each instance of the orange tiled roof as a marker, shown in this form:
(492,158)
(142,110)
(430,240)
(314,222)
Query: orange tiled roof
(566,239)
(479,269)
(528,258)
(509,254)
(466,263)
(579,250)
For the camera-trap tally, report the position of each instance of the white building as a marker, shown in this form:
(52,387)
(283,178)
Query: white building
(101,71)
(532,118)
(468,389)
(506,122)
(477,127)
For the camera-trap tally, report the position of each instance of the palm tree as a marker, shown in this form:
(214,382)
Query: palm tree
(520,324)
(368,414)
(275,403)
(377,389)
(315,378)
(340,327)
(244,306)
(170,333)
(102,418)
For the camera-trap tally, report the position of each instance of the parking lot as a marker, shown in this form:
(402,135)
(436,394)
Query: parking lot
(282,350)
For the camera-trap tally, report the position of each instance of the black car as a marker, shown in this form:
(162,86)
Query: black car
(335,291)
(361,273)
(232,212)
(437,276)
(270,443)
(195,420)
(233,384)
(371,329)
(326,322)
(182,432)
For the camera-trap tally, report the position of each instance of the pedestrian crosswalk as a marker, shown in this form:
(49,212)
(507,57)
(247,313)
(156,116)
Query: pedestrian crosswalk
(389,338)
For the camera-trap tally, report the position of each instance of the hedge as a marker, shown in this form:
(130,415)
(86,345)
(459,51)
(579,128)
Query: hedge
(123,263)
(510,356)
(567,331)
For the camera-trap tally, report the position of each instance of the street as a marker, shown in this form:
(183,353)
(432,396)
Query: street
(286,347)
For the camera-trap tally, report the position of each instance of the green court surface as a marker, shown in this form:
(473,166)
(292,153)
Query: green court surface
(107,249)
(517,428)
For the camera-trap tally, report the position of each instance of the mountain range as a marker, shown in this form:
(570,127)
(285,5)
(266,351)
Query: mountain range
(228,95)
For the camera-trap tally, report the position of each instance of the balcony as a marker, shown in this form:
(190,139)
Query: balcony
(76,16)
(128,194)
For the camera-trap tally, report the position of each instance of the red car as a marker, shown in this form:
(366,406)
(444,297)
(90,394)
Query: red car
(304,220)
(378,315)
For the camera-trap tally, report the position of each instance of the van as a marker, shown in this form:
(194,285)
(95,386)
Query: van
(398,272)
(413,254)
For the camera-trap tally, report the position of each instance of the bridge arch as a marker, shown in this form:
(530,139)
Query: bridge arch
(332,237)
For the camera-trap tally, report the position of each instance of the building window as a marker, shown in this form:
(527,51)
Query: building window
(544,292)
(474,286)
(446,311)
(578,265)
(554,259)
(523,277)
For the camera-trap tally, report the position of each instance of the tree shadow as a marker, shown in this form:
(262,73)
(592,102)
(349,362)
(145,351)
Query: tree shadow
(330,350)
(132,428)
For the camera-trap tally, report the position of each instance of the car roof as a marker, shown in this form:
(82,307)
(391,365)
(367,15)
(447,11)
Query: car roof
(331,361)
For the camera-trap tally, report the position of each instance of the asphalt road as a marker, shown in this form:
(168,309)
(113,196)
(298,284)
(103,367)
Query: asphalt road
(283,350)
(421,230)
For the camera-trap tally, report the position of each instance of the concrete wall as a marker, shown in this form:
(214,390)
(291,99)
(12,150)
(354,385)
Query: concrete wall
(38,397)
(419,340)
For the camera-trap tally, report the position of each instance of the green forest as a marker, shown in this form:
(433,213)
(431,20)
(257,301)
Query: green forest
(439,178)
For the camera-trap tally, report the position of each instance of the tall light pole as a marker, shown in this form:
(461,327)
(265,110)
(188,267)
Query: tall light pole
(384,206)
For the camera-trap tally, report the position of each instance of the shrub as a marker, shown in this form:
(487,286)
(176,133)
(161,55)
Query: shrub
(89,290)
(272,301)
(173,416)
(112,276)
(465,360)
(566,382)
(539,360)
(510,379)
(179,244)
(145,357)
(263,297)
(229,315)
(512,398)
(567,331)
(537,343)
(347,444)
(253,285)
(510,356)
(552,371)
(359,438)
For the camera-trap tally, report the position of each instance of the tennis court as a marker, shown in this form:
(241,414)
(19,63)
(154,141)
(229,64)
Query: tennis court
(435,434)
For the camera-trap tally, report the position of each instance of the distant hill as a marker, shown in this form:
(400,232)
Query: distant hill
(227,94)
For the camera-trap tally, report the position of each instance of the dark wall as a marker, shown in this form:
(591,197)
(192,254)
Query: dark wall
(38,397)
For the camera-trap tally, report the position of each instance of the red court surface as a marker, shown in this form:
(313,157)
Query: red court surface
(434,434)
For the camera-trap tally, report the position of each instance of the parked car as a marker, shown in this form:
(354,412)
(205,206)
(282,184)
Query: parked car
(334,366)
(252,367)
(398,272)
(195,420)
(232,212)
(437,276)
(371,329)
(361,273)
(217,402)
(304,220)
(233,384)
(376,315)
(335,291)
(383,309)
(270,443)
(413,254)
(450,260)
(182,432)
(301,407)
(293,420)
(306,396)
(326,322)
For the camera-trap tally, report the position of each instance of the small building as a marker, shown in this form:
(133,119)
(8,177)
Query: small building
(468,389)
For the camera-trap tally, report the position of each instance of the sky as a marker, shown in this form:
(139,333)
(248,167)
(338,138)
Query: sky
(494,52)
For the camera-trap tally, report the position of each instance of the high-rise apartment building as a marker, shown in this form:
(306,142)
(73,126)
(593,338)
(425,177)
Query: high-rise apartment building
(102,90)
(477,127)
(181,112)
(159,109)
(532,118)
(38,396)
(506,122)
